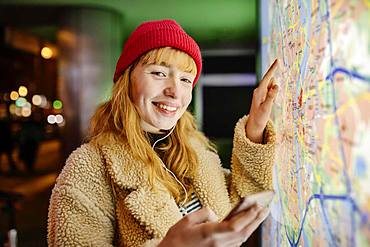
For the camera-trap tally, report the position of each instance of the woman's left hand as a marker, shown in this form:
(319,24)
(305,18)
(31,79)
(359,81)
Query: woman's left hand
(263,99)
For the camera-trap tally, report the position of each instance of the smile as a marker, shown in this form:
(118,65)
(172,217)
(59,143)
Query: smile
(166,107)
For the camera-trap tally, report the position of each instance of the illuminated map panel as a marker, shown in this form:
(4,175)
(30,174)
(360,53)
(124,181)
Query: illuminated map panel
(322,118)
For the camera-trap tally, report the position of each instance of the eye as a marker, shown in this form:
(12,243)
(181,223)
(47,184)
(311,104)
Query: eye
(187,80)
(158,73)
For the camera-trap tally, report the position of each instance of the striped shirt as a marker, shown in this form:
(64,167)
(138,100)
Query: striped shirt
(191,206)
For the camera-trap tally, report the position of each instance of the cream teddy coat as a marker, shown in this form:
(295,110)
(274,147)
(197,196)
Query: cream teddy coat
(101,197)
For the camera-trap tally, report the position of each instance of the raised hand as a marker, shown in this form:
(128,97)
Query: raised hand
(263,99)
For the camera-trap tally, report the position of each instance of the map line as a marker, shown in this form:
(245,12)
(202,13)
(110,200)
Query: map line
(341,147)
(326,197)
(353,74)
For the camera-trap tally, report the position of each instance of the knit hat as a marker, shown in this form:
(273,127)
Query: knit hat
(155,34)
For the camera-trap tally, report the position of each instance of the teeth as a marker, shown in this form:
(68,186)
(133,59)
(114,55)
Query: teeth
(166,107)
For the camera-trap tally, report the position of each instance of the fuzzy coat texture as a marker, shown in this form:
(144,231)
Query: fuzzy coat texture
(101,197)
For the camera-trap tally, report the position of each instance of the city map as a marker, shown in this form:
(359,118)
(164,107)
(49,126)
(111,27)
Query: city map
(322,120)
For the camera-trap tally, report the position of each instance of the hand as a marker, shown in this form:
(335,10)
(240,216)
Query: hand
(202,229)
(263,99)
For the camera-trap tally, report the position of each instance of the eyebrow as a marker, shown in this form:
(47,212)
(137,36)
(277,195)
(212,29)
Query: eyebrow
(163,63)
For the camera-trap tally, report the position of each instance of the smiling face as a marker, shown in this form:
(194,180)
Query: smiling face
(161,91)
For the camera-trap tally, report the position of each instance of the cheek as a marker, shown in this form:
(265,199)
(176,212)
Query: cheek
(187,98)
(138,93)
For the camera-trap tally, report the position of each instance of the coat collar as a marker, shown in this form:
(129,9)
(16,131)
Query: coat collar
(157,210)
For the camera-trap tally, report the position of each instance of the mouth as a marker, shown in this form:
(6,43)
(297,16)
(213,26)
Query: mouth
(167,109)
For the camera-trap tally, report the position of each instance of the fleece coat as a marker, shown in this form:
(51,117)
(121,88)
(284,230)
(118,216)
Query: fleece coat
(101,198)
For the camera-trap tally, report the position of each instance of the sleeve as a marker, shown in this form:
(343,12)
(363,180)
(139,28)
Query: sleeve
(81,209)
(75,221)
(251,163)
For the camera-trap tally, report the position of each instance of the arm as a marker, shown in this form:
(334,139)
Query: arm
(254,140)
(251,163)
(81,210)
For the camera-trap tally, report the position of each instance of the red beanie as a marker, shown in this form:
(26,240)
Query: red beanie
(155,34)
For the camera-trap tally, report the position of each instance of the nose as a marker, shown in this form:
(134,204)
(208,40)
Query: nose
(171,87)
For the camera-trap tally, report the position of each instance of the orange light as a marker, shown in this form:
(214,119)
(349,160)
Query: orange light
(46,52)
(14,95)
(23,91)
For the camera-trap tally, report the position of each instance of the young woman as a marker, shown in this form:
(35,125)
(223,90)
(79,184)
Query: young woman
(148,177)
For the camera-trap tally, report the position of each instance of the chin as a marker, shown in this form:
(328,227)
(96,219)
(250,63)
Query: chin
(165,126)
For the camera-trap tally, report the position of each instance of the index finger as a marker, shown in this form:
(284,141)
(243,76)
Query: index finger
(266,78)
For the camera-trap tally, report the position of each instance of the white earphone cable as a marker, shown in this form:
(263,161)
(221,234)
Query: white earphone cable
(168,170)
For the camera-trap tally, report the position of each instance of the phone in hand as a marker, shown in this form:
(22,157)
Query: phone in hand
(262,199)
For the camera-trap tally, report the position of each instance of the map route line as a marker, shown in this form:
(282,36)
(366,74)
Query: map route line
(353,74)
(327,221)
(322,198)
(337,123)
(341,146)
(336,119)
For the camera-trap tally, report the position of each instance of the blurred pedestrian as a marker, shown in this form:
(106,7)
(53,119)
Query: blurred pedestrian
(6,138)
(30,136)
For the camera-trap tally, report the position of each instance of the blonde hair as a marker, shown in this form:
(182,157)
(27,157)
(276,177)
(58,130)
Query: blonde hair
(120,117)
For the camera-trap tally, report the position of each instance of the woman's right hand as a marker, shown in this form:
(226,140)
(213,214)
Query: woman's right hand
(202,229)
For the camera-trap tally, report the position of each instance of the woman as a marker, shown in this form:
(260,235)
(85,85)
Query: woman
(148,177)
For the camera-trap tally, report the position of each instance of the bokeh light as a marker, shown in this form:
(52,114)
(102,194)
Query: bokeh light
(46,52)
(27,105)
(26,112)
(18,111)
(36,99)
(59,119)
(14,95)
(23,91)
(44,102)
(12,108)
(51,119)
(20,102)
(57,104)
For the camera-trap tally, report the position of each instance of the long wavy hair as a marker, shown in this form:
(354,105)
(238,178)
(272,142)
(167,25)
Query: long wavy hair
(119,116)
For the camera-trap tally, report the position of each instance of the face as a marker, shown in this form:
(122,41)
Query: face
(161,93)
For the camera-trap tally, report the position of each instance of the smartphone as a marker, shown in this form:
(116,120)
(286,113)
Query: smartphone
(262,199)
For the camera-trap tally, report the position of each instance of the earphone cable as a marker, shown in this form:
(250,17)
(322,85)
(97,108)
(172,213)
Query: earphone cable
(168,170)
